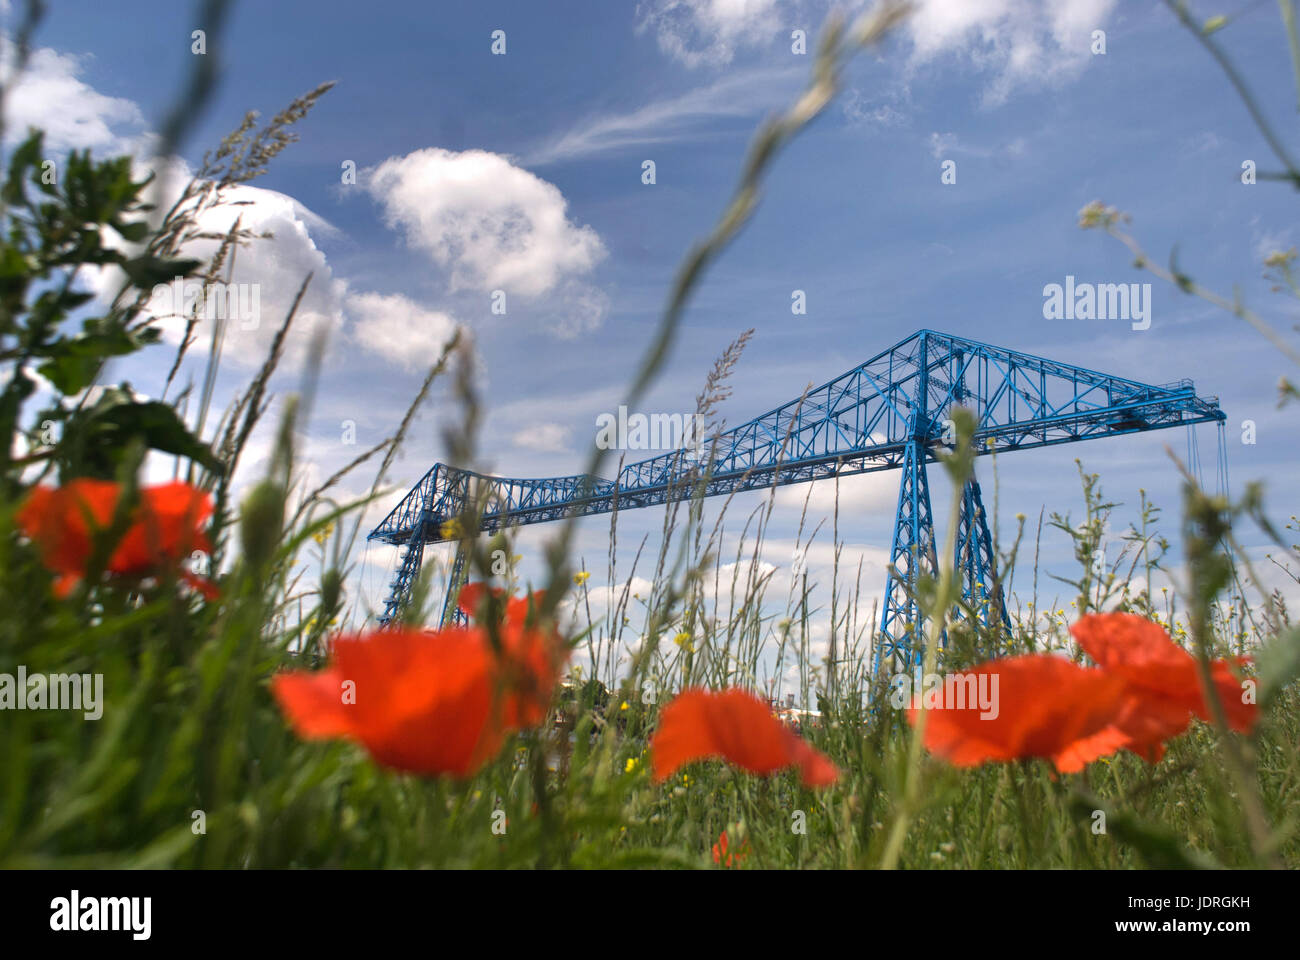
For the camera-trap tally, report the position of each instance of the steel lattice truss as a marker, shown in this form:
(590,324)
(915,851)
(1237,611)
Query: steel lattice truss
(888,412)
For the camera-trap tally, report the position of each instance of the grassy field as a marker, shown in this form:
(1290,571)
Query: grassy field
(193,764)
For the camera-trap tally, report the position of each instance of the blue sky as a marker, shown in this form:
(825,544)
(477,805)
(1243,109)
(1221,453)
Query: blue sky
(554,133)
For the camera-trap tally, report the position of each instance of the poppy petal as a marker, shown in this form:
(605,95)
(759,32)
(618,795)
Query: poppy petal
(431,702)
(1165,684)
(313,703)
(62,522)
(203,585)
(471,598)
(165,530)
(1041,706)
(738,727)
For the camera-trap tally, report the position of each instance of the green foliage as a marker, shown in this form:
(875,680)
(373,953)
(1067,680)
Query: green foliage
(95,441)
(56,222)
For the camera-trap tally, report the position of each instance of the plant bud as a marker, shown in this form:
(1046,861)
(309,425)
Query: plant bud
(331,592)
(260,523)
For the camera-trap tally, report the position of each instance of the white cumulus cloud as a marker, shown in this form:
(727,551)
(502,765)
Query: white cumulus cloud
(51,95)
(709,31)
(1015,41)
(493,224)
(546,437)
(269,270)
(1018,41)
(396,328)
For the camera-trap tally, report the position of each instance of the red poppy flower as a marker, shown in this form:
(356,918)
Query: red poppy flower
(724,859)
(61,522)
(426,702)
(740,728)
(472,601)
(165,529)
(1147,690)
(1043,706)
(1164,680)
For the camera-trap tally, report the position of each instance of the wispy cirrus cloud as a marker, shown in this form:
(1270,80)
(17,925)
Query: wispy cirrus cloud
(946,144)
(742,94)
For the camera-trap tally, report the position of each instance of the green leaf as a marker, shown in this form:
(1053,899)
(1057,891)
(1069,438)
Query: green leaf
(161,428)
(70,372)
(73,361)
(96,440)
(1279,664)
(27,155)
(147,272)
(16,273)
(135,231)
(14,263)
(1159,848)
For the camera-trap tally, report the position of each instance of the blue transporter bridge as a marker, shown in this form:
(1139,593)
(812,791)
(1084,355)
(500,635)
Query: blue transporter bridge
(891,412)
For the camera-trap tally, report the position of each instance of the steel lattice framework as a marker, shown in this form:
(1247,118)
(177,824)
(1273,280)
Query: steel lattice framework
(893,411)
